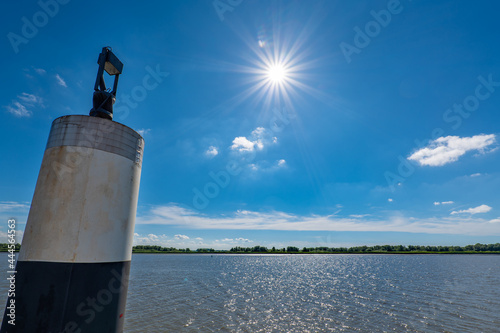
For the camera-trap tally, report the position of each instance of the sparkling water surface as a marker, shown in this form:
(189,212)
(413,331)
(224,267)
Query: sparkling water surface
(313,293)
(310,293)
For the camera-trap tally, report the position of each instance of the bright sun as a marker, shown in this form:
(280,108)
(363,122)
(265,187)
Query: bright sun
(277,73)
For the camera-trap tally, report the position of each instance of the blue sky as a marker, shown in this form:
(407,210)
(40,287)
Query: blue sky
(274,123)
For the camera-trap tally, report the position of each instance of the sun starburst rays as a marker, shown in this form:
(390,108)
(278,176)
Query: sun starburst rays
(277,73)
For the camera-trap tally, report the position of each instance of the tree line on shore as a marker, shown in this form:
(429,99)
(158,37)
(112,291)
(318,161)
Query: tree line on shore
(476,248)
(4,247)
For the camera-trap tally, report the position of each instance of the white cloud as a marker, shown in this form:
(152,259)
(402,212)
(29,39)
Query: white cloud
(212,151)
(61,81)
(18,110)
(475,175)
(30,99)
(359,216)
(11,206)
(390,200)
(266,166)
(234,240)
(40,71)
(153,237)
(497,220)
(475,210)
(275,220)
(449,149)
(258,139)
(144,131)
(182,241)
(177,241)
(437,203)
(181,237)
(242,144)
(21,106)
(150,239)
(4,236)
(225,240)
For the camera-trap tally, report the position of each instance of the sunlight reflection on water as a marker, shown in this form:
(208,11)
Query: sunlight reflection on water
(313,293)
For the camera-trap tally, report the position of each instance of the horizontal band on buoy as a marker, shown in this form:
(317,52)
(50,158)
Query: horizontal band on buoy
(96,133)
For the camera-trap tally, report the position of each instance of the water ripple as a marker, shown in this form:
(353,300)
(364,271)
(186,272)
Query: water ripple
(314,293)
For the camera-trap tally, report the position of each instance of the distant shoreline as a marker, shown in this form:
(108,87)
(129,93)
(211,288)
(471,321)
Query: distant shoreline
(377,249)
(307,253)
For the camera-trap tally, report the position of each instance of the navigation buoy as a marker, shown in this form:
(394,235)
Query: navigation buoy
(73,268)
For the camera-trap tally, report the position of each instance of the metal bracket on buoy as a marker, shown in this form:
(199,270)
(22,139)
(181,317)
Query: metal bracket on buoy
(104,98)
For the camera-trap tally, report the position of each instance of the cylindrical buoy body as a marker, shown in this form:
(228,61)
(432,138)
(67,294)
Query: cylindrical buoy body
(73,267)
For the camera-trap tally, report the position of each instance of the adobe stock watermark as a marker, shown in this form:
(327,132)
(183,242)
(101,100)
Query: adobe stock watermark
(30,27)
(222,178)
(372,29)
(150,81)
(89,308)
(453,116)
(11,271)
(76,154)
(222,6)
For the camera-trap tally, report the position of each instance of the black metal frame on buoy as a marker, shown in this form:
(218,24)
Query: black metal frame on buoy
(104,98)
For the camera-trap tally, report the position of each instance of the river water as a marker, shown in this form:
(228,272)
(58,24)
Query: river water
(310,293)
(314,293)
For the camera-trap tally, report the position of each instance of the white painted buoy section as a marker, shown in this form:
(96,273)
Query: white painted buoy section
(73,267)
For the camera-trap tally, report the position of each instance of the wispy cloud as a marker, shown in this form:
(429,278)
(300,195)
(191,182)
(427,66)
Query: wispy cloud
(449,149)
(173,214)
(12,206)
(143,131)
(60,81)
(475,210)
(4,236)
(266,166)
(234,240)
(22,105)
(359,216)
(30,99)
(18,110)
(437,203)
(212,151)
(40,71)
